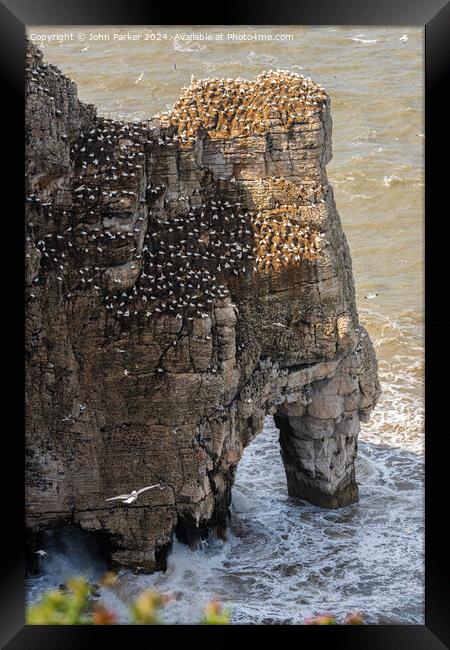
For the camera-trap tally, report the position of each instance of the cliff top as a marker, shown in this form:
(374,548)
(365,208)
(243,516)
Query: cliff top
(239,107)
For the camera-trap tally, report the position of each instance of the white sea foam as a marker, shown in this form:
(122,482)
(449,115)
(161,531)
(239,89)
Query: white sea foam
(70,552)
(188,46)
(388,180)
(262,59)
(364,40)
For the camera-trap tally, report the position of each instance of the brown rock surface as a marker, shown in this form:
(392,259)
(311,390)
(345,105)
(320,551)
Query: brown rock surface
(186,276)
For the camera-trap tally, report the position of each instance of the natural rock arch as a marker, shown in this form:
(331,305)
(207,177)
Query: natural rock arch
(185,277)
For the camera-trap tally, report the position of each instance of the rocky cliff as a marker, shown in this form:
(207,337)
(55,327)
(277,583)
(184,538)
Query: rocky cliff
(186,277)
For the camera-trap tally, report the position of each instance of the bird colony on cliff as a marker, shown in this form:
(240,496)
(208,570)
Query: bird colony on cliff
(184,250)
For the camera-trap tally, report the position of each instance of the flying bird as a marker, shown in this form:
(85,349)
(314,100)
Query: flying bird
(141,76)
(403,38)
(41,553)
(129,498)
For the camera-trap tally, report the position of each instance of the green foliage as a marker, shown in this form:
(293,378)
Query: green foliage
(214,614)
(67,607)
(144,610)
(74,606)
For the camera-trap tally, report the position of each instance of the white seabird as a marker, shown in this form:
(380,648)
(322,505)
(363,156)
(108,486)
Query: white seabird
(129,498)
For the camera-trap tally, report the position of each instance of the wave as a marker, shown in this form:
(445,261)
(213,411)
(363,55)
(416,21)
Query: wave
(263,59)
(389,180)
(362,40)
(187,46)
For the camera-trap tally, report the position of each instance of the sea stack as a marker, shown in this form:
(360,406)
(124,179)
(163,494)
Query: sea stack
(186,277)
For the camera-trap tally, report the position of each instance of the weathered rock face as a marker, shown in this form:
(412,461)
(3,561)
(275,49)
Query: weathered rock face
(186,277)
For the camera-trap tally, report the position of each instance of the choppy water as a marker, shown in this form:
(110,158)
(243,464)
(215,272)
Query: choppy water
(286,560)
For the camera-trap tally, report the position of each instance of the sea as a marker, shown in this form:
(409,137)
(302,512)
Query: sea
(285,560)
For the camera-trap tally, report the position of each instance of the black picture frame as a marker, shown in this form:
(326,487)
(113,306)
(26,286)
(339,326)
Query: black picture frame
(434,16)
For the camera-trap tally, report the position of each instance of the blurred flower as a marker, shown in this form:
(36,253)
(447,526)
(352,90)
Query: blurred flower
(102,616)
(214,614)
(145,609)
(354,618)
(109,579)
(321,619)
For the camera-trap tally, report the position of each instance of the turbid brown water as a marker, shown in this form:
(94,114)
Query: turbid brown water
(287,561)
